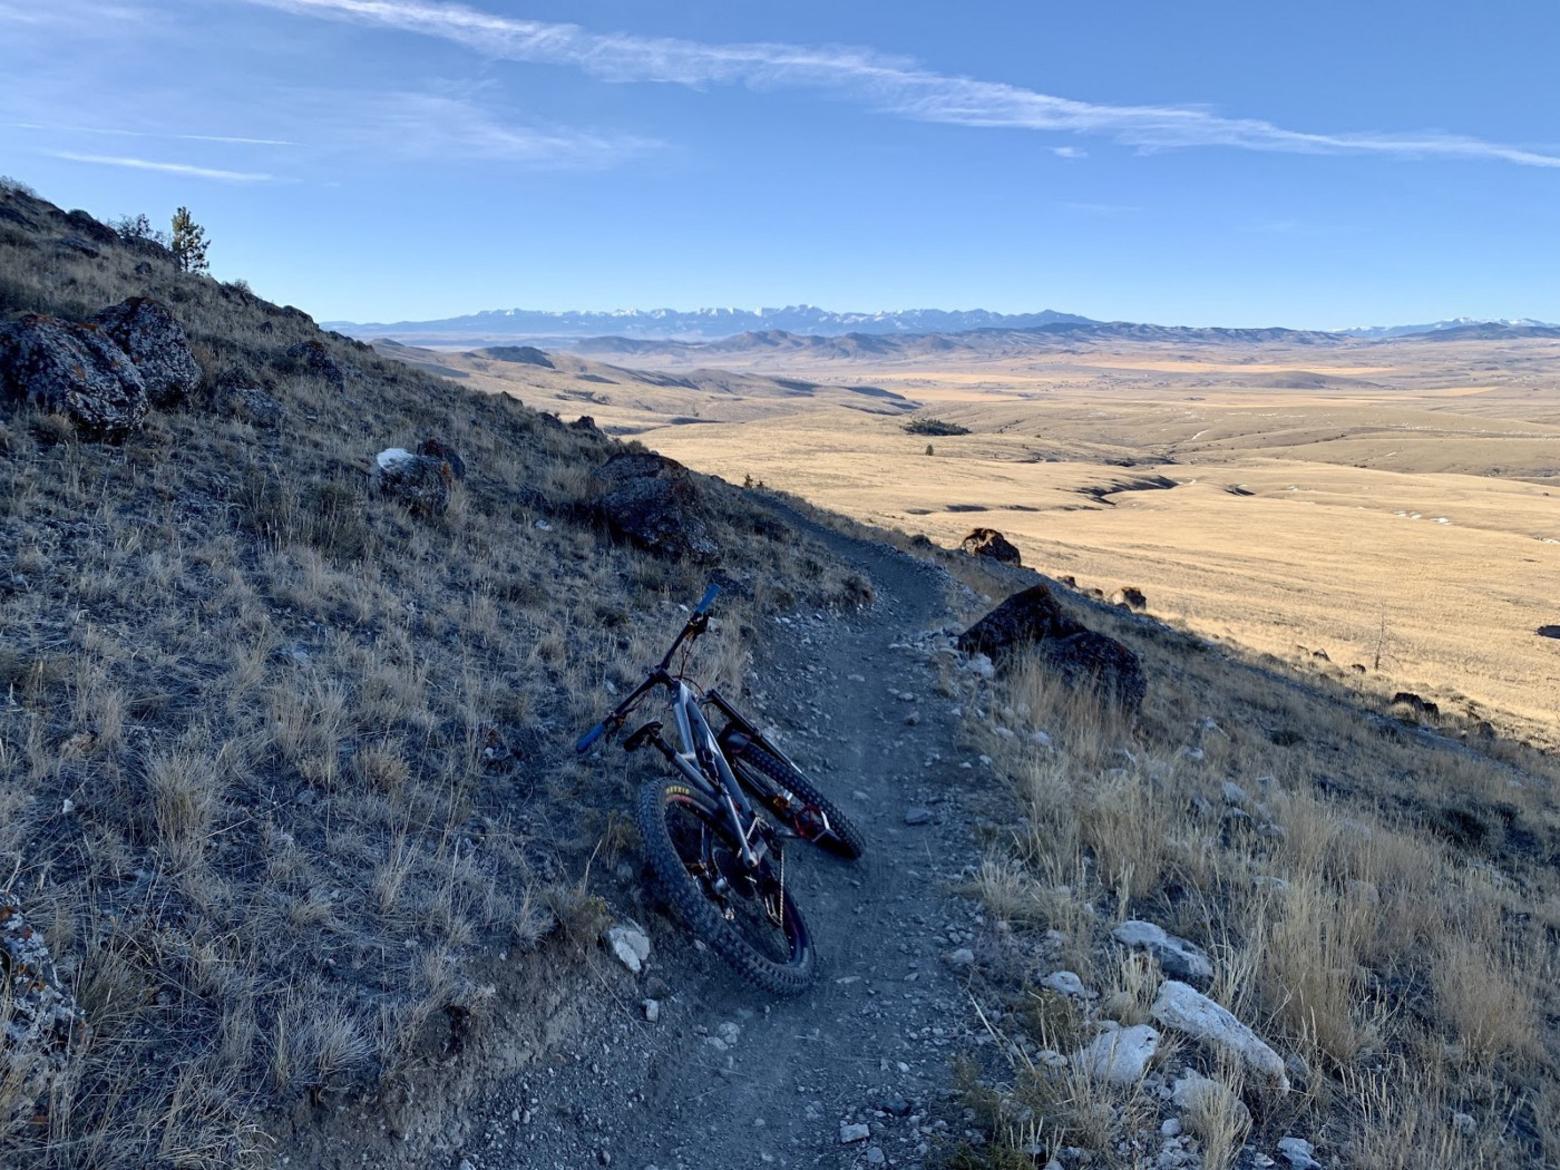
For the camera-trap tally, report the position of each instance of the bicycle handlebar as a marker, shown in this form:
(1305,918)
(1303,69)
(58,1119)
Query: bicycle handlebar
(695,626)
(589,738)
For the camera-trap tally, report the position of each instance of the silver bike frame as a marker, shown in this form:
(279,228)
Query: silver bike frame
(701,749)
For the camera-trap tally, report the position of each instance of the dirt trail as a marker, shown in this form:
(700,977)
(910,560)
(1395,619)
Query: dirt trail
(729,1078)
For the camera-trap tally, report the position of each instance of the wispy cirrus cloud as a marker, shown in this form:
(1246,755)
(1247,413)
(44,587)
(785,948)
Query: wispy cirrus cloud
(892,85)
(117,132)
(187,170)
(439,125)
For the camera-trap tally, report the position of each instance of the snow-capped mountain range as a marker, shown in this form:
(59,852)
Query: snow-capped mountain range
(1451,323)
(504,326)
(708,324)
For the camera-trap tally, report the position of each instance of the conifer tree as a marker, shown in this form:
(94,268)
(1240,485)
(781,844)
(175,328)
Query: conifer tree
(189,242)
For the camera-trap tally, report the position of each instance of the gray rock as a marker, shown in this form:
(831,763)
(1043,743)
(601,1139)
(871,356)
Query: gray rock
(75,370)
(857,1132)
(963,957)
(1299,1153)
(236,397)
(1120,1055)
(655,503)
(875,1156)
(652,1007)
(420,483)
(1464,1124)
(147,330)
(629,944)
(918,816)
(1234,793)
(1065,982)
(1177,957)
(314,360)
(1185,1009)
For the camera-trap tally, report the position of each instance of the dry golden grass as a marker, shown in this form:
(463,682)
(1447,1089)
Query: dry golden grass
(1368,903)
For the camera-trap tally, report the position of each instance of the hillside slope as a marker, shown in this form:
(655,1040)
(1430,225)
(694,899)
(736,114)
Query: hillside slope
(285,760)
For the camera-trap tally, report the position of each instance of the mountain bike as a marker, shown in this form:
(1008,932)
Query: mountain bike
(715,829)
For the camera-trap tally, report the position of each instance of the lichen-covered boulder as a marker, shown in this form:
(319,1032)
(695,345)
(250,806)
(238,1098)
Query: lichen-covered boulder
(75,370)
(1024,619)
(1092,661)
(438,449)
(991,544)
(42,1021)
(655,503)
(313,359)
(420,483)
(146,330)
(238,397)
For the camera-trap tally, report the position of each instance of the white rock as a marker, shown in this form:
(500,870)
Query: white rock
(1170,1127)
(1185,1009)
(652,1010)
(981,665)
(391,456)
(853,1133)
(1040,739)
(962,957)
(1120,1056)
(630,944)
(1299,1153)
(1065,982)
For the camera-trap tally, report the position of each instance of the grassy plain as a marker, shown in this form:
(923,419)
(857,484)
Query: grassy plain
(1390,502)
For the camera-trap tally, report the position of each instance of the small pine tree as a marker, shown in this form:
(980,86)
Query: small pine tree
(929,450)
(189,242)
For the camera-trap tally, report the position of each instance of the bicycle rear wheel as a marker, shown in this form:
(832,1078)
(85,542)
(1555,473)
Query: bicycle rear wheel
(817,819)
(747,917)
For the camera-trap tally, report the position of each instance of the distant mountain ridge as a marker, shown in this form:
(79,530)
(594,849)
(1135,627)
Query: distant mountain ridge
(1465,326)
(747,327)
(702,324)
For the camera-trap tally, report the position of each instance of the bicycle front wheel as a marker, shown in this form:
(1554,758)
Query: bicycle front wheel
(747,916)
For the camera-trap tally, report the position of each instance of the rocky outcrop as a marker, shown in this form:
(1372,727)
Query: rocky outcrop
(991,544)
(1021,621)
(1034,621)
(43,1021)
(1184,1009)
(147,331)
(420,483)
(314,360)
(75,370)
(1099,663)
(654,502)
(1130,597)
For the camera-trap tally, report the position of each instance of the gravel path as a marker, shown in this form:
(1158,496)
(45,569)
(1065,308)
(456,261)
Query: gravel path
(857,1071)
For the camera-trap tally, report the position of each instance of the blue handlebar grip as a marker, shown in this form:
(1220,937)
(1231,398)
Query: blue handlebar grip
(708,599)
(589,738)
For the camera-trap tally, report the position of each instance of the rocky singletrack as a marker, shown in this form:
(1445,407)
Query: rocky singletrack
(858,1070)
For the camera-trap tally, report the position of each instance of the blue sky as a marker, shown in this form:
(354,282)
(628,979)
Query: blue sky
(1316,165)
